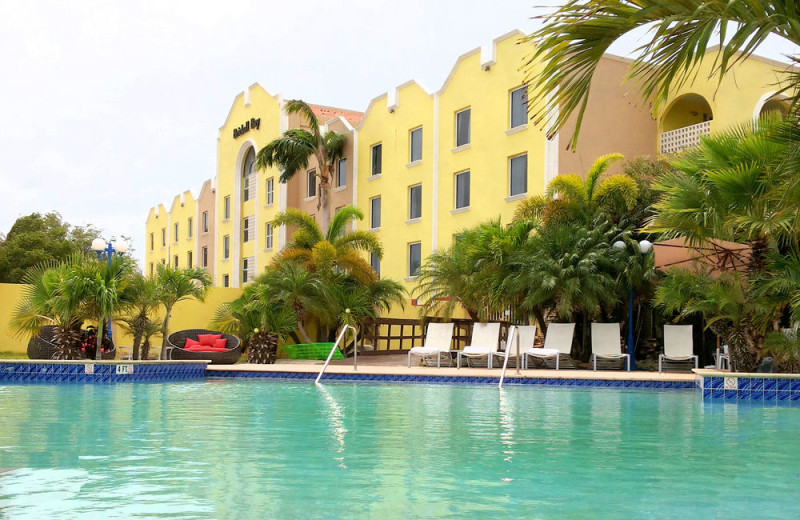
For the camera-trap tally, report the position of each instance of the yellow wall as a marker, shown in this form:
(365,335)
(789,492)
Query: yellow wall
(390,126)
(487,94)
(157,219)
(10,295)
(190,314)
(230,156)
(183,208)
(733,101)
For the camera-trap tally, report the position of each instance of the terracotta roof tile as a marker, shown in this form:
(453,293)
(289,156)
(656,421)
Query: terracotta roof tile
(325,114)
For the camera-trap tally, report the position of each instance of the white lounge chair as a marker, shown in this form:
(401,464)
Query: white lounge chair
(438,338)
(557,344)
(485,343)
(606,344)
(678,345)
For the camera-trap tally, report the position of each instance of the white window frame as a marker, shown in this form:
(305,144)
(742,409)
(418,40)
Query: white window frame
(246,230)
(205,222)
(204,256)
(524,122)
(311,182)
(226,280)
(163,237)
(510,178)
(372,149)
(189,259)
(375,263)
(268,235)
(411,132)
(372,212)
(270,190)
(408,258)
(341,173)
(177,232)
(189,229)
(469,127)
(175,261)
(246,173)
(226,247)
(411,199)
(455,189)
(244,270)
(227,207)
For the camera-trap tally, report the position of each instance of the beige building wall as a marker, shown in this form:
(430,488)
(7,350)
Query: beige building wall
(206,222)
(616,120)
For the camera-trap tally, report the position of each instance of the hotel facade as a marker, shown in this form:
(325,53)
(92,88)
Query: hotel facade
(423,165)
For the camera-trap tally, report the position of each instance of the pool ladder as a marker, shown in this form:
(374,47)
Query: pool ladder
(336,345)
(512,339)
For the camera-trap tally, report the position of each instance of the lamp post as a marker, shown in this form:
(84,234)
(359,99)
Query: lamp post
(107,250)
(644,247)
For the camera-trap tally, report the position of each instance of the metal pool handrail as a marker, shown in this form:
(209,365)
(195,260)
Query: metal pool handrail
(335,345)
(512,337)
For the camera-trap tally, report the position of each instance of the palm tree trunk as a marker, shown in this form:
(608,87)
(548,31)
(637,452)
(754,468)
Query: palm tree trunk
(101,324)
(303,334)
(164,330)
(324,201)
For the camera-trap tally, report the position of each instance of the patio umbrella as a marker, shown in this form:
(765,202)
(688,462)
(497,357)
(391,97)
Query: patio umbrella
(713,255)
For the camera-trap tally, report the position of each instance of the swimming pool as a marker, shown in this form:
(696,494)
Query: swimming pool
(255,449)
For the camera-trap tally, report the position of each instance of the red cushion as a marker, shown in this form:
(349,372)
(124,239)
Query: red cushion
(207,340)
(200,348)
(221,343)
(191,343)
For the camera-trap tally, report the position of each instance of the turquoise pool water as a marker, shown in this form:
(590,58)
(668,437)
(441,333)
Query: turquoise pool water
(254,449)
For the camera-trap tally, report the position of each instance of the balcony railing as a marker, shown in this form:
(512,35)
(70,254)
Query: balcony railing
(683,138)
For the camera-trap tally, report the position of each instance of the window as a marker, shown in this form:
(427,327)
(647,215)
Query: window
(312,183)
(205,222)
(226,246)
(246,230)
(163,236)
(270,190)
(176,232)
(341,173)
(415,145)
(189,226)
(518,175)
(204,256)
(375,213)
(152,241)
(519,107)
(175,261)
(268,235)
(227,208)
(226,280)
(244,270)
(248,169)
(375,263)
(377,153)
(189,259)
(414,258)
(462,190)
(152,268)
(462,127)
(415,202)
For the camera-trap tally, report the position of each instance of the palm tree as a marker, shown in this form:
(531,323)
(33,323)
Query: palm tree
(176,285)
(292,150)
(136,318)
(568,270)
(290,283)
(101,286)
(47,300)
(727,188)
(322,251)
(570,198)
(574,38)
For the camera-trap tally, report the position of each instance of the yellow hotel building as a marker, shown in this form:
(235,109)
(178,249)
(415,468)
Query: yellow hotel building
(423,165)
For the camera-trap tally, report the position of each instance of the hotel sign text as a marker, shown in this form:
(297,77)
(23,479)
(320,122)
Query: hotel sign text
(246,126)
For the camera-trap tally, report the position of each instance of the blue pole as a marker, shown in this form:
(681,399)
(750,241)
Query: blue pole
(109,251)
(630,328)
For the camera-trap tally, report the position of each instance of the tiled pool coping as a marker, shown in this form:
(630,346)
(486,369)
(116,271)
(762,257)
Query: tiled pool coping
(87,371)
(729,386)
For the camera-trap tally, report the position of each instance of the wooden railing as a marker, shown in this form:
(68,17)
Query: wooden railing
(396,335)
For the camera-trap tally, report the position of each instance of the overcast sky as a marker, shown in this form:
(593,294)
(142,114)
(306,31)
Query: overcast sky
(109,108)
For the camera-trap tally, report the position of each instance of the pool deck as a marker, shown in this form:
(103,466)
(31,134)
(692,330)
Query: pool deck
(396,365)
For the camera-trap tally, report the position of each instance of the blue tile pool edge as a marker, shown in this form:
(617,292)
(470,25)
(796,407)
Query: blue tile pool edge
(101,372)
(761,388)
(399,378)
